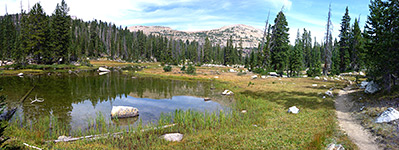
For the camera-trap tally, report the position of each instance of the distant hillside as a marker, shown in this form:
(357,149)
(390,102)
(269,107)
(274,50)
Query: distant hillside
(250,36)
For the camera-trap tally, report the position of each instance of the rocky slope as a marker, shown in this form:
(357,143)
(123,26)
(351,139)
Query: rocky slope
(250,36)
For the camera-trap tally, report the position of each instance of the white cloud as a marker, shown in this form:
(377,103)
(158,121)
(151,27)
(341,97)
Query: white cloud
(278,4)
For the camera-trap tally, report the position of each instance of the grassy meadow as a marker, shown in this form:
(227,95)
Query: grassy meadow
(265,125)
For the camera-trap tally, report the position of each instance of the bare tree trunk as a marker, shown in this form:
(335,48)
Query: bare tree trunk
(327,50)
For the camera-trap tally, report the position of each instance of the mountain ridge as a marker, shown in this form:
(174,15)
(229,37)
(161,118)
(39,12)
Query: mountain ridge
(250,36)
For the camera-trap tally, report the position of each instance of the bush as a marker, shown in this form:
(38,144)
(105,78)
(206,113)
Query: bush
(190,69)
(260,71)
(183,68)
(241,73)
(167,68)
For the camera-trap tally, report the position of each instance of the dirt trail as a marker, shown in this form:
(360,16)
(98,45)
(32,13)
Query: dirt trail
(363,139)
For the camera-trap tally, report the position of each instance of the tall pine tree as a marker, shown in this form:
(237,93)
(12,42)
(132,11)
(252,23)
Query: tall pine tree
(344,41)
(280,43)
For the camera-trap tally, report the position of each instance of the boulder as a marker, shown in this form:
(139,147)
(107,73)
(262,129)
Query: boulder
(314,84)
(20,74)
(335,147)
(124,112)
(254,76)
(363,84)
(285,76)
(243,111)
(372,87)
(329,93)
(227,92)
(304,76)
(388,115)
(263,77)
(293,110)
(173,137)
(102,69)
(216,77)
(317,78)
(325,79)
(273,74)
(232,70)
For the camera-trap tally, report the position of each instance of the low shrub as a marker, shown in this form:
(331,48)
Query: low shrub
(190,69)
(167,68)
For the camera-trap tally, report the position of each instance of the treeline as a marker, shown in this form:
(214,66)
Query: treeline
(35,37)
(374,50)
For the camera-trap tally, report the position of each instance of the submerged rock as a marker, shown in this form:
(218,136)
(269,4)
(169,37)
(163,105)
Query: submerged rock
(124,112)
(173,137)
(388,115)
(293,110)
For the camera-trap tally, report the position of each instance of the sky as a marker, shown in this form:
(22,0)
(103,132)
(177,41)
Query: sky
(196,15)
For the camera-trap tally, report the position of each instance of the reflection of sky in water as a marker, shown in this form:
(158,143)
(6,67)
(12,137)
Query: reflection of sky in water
(149,109)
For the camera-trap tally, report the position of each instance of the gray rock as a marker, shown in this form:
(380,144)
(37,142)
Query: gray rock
(102,69)
(293,110)
(124,112)
(227,92)
(372,87)
(363,84)
(273,74)
(388,115)
(329,93)
(173,137)
(335,147)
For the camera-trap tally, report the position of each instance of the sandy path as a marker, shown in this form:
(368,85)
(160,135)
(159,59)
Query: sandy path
(363,139)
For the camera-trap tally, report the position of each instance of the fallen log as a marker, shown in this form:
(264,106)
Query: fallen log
(99,136)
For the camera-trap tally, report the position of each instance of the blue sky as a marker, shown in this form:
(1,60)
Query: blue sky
(194,15)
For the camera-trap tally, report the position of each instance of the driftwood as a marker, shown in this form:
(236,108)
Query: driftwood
(26,95)
(36,100)
(99,136)
(7,114)
(34,147)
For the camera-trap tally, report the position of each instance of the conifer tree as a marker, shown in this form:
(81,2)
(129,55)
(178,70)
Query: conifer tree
(207,51)
(280,43)
(344,41)
(295,57)
(382,42)
(37,28)
(61,32)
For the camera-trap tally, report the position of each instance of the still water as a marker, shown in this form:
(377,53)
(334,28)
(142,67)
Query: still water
(78,98)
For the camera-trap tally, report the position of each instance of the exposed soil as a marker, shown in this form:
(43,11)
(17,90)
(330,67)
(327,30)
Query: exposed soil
(361,137)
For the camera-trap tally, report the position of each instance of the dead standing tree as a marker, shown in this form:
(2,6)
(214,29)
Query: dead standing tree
(327,48)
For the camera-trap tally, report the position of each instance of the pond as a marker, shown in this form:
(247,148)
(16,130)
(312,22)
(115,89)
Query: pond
(76,99)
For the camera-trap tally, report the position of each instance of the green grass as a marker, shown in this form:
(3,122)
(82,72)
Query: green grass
(266,125)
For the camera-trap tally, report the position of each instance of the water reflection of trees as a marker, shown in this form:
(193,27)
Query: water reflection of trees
(60,92)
